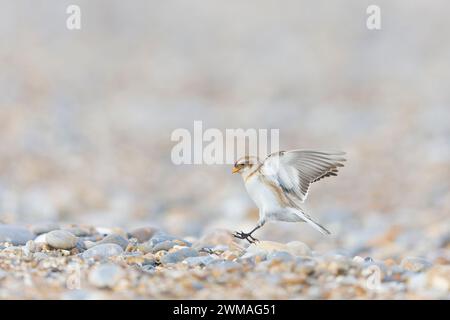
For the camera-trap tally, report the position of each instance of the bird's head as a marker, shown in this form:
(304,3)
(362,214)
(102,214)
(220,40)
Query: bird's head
(245,164)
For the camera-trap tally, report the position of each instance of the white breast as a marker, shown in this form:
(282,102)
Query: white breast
(262,195)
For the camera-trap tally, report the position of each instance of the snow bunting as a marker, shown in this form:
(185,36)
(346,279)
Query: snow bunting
(280,183)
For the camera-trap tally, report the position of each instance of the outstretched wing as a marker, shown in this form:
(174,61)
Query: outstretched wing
(295,170)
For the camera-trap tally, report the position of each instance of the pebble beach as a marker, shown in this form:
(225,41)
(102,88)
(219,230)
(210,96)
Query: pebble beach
(83,262)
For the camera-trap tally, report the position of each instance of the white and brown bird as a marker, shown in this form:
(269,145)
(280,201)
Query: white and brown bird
(280,184)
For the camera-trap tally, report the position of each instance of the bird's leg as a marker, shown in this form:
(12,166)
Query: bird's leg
(248,236)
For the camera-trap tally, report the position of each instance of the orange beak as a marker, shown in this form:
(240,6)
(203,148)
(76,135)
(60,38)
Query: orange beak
(235,169)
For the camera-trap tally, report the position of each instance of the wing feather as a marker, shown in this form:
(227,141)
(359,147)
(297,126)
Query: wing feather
(295,170)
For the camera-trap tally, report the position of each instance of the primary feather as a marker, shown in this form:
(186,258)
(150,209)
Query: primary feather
(294,171)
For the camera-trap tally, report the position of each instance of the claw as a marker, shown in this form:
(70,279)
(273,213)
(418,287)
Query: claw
(245,236)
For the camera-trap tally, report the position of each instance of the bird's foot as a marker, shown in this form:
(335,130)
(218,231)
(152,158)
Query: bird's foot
(245,236)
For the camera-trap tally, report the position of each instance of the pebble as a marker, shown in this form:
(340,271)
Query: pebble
(263,248)
(115,238)
(149,268)
(213,238)
(39,256)
(224,265)
(44,228)
(106,276)
(171,267)
(102,251)
(163,237)
(41,238)
(280,256)
(417,281)
(438,278)
(339,266)
(143,234)
(160,242)
(298,248)
(358,260)
(16,235)
(30,246)
(179,255)
(198,261)
(61,239)
(165,245)
(79,231)
(415,264)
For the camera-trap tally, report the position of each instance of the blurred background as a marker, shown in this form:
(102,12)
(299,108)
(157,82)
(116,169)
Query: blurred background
(86,115)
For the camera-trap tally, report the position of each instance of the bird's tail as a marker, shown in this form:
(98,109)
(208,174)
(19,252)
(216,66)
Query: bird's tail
(303,216)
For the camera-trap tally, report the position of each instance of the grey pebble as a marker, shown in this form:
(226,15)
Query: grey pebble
(282,256)
(161,241)
(149,268)
(165,245)
(61,239)
(3,274)
(115,238)
(15,234)
(105,275)
(78,231)
(415,264)
(224,265)
(179,255)
(143,234)
(102,251)
(162,237)
(40,256)
(198,261)
(44,228)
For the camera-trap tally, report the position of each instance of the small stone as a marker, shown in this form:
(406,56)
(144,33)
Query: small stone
(165,245)
(263,248)
(390,262)
(80,246)
(219,266)
(281,256)
(143,234)
(162,237)
(149,259)
(89,244)
(417,281)
(106,276)
(13,249)
(61,239)
(133,258)
(3,274)
(415,264)
(79,231)
(41,238)
(38,256)
(149,268)
(115,238)
(16,235)
(214,238)
(103,231)
(230,255)
(339,266)
(44,228)
(179,255)
(30,246)
(198,261)
(299,249)
(102,251)
(358,260)
(438,278)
